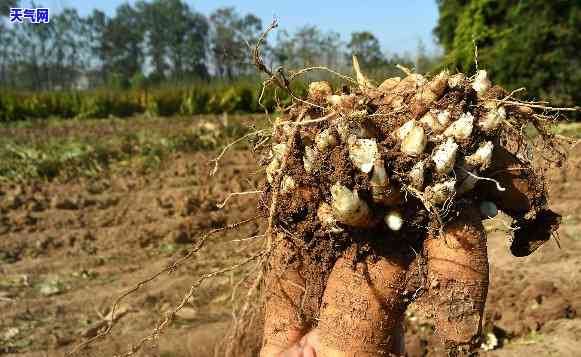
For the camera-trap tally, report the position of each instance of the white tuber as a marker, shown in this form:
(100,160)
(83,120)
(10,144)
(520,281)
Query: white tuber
(320,90)
(456,81)
(416,175)
(492,119)
(461,129)
(348,208)
(334,100)
(439,83)
(393,220)
(309,159)
(325,140)
(440,192)
(272,169)
(443,118)
(389,84)
(344,101)
(379,182)
(363,153)
(414,142)
(436,122)
(288,184)
(482,157)
(279,151)
(445,156)
(481,83)
(404,130)
(429,119)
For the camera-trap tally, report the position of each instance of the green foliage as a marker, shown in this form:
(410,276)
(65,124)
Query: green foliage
(239,97)
(52,148)
(529,43)
(450,13)
(366,47)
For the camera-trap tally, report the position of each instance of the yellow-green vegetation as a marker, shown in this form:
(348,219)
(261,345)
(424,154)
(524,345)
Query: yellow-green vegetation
(572,130)
(45,149)
(203,98)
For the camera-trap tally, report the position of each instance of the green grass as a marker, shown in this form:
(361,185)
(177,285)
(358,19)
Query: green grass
(46,149)
(192,99)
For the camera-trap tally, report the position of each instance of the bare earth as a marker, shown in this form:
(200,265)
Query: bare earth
(68,249)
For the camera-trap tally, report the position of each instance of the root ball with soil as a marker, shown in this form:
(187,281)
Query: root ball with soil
(414,163)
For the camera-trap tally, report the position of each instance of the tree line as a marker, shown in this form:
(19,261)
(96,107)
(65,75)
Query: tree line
(524,43)
(157,41)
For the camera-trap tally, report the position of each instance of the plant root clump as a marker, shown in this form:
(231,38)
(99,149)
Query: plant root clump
(385,168)
(410,148)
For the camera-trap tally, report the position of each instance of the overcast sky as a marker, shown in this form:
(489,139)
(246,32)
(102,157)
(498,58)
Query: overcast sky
(399,25)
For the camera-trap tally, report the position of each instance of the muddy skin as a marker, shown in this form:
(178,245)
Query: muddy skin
(458,279)
(350,275)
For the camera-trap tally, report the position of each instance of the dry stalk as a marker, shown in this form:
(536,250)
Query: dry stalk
(537,106)
(169,269)
(232,194)
(329,116)
(280,80)
(322,68)
(170,316)
(404,69)
(216,161)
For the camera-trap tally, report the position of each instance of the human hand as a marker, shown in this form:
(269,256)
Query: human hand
(361,309)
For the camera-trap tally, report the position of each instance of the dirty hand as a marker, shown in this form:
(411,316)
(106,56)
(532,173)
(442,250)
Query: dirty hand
(361,307)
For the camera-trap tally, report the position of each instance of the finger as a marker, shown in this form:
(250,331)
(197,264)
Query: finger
(306,347)
(283,324)
(309,352)
(294,351)
(457,265)
(362,306)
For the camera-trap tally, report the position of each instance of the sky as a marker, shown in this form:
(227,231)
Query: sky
(398,24)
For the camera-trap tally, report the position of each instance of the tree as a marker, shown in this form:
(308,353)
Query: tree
(539,54)
(68,48)
(5,6)
(367,49)
(231,36)
(332,48)
(31,60)
(96,24)
(308,46)
(424,61)
(6,35)
(122,44)
(176,38)
(450,12)
(283,51)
